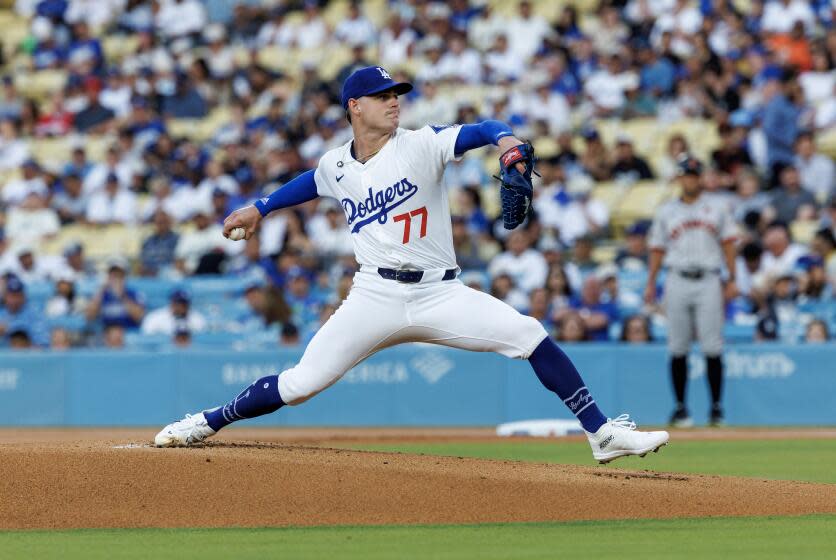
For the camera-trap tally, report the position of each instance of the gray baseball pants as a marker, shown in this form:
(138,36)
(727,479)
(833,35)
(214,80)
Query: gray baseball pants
(694,308)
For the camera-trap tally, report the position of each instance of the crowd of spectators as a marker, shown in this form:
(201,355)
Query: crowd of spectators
(764,74)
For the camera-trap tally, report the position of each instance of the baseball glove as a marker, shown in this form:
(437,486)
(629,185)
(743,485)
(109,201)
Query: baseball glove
(516,190)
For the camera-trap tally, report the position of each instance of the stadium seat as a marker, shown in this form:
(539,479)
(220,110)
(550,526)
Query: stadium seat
(100,243)
(604,253)
(96,146)
(41,84)
(280,59)
(155,291)
(610,193)
(15,30)
(738,333)
(8,175)
(330,61)
(135,340)
(117,47)
(546,147)
(827,142)
(200,130)
(639,202)
(377,11)
(185,128)
(74,323)
(644,133)
(548,10)
(52,151)
(335,11)
(803,231)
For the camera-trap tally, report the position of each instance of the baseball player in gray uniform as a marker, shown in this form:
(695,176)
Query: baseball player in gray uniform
(693,236)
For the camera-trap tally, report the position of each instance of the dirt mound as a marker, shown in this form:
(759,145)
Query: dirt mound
(92,484)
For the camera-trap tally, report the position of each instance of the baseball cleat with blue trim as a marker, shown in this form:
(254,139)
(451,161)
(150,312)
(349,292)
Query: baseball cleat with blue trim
(190,430)
(619,438)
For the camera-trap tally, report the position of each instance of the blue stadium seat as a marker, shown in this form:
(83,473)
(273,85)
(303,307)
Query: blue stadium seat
(74,323)
(149,342)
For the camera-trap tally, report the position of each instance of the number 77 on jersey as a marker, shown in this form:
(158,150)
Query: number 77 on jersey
(406,218)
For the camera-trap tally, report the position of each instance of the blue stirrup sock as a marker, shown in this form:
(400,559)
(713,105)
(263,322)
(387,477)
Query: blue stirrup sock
(258,399)
(556,372)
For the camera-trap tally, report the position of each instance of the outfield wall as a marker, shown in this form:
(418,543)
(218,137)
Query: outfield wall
(410,385)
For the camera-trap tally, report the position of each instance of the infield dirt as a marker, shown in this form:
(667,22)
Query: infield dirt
(72,479)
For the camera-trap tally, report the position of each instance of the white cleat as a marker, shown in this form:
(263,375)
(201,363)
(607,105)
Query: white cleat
(619,438)
(190,430)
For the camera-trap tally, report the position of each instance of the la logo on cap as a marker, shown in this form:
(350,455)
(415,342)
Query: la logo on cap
(384,73)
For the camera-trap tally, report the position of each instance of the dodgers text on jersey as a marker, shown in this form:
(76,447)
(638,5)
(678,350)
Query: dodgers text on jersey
(377,205)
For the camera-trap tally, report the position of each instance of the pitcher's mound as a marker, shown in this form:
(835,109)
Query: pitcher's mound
(64,485)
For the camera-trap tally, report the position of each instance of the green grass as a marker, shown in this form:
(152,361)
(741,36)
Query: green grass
(807,460)
(738,538)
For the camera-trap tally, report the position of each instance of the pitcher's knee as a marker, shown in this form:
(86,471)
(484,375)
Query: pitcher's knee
(298,384)
(531,334)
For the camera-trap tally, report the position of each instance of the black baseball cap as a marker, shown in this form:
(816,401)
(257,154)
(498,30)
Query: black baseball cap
(689,165)
(369,81)
(767,327)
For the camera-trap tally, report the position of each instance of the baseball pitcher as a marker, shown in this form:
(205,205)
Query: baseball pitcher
(388,181)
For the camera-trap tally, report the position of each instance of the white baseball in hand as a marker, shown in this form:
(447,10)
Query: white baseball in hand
(237,234)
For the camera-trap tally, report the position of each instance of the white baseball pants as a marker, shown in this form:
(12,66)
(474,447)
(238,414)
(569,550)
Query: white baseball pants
(379,313)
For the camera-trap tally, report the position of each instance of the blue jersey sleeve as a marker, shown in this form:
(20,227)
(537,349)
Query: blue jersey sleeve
(296,191)
(473,136)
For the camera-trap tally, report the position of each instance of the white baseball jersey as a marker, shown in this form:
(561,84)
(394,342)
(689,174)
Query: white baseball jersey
(395,205)
(691,234)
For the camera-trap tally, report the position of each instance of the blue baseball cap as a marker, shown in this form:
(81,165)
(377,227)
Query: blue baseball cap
(14,285)
(369,81)
(638,228)
(180,296)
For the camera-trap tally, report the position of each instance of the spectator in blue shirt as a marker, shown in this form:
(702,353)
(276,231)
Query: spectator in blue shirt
(302,302)
(266,306)
(78,164)
(562,79)
(17,315)
(51,9)
(95,117)
(658,75)
(780,124)
(462,13)
(597,316)
(86,46)
(158,248)
(116,304)
(143,125)
(186,103)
